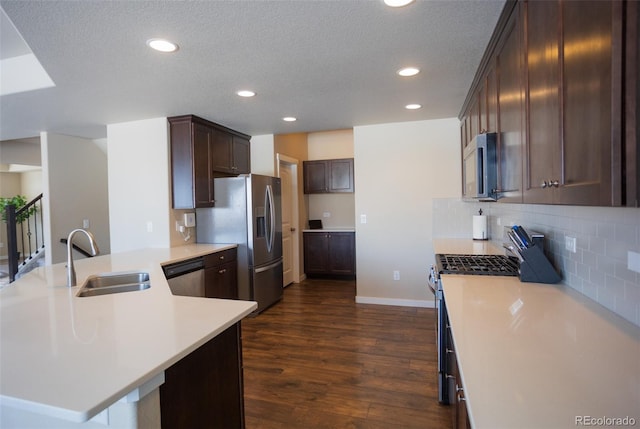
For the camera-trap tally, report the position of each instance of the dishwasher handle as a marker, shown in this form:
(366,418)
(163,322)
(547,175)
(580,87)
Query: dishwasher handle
(182,268)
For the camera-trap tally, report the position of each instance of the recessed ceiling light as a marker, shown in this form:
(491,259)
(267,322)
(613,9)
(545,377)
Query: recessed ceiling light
(162,45)
(289,119)
(397,3)
(408,71)
(246,93)
(412,106)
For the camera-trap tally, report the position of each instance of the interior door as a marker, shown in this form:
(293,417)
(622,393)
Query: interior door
(287,224)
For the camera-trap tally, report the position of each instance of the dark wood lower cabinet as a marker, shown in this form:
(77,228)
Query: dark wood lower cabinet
(330,253)
(459,414)
(221,275)
(205,389)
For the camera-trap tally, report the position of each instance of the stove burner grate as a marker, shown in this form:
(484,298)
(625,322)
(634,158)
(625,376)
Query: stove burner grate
(493,265)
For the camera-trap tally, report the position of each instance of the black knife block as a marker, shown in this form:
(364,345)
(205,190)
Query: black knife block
(536,268)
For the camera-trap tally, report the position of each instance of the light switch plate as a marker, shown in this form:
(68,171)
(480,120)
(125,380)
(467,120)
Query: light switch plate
(363,218)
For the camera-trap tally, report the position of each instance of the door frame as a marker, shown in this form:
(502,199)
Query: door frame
(295,235)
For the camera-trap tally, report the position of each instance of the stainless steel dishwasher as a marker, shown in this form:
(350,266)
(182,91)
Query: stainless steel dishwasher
(186,278)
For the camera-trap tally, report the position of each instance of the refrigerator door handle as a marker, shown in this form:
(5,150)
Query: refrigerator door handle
(271,228)
(268,267)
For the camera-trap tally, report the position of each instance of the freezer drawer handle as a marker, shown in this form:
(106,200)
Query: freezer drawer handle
(268,267)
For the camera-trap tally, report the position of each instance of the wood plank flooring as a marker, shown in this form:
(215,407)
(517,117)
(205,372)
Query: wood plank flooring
(319,360)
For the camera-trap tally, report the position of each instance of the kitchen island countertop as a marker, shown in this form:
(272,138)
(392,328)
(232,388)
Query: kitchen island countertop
(537,355)
(69,357)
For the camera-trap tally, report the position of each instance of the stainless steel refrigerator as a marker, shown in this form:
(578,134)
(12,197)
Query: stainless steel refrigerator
(248,212)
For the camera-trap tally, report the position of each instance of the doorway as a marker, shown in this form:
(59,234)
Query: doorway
(288,173)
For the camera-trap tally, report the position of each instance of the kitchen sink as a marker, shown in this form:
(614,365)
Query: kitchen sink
(104,284)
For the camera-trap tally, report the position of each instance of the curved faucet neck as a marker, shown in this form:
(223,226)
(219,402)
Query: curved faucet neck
(71,271)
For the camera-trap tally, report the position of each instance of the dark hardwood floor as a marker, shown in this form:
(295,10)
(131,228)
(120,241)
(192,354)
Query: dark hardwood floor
(319,360)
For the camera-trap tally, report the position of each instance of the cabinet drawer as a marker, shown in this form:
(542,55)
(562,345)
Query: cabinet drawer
(220,258)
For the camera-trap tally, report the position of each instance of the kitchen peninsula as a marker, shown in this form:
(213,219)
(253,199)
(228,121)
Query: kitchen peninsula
(67,359)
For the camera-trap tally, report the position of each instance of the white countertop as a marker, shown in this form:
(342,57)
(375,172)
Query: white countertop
(336,229)
(539,356)
(466,246)
(71,357)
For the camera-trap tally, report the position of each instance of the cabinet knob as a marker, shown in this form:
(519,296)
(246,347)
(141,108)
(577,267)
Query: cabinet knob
(544,184)
(293,230)
(221,257)
(555,183)
(222,271)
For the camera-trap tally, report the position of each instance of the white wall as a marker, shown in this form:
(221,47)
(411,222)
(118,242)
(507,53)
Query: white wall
(74,172)
(263,158)
(139,184)
(330,144)
(399,169)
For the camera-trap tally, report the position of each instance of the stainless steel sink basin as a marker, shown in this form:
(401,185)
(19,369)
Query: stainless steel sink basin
(104,284)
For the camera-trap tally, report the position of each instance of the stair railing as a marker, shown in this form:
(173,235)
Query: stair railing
(25,226)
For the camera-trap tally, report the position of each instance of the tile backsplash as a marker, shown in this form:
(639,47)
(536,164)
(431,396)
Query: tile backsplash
(606,239)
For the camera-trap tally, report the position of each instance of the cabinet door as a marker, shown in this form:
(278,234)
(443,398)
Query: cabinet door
(222,156)
(342,249)
(542,154)
(341,175)
(316,252)
(588,99)
(241,155)
(315,176)
(221,281)
(509,64)
(491,113)
(205,388)
(203,189)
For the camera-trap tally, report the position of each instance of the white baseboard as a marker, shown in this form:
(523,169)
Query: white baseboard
(394,301)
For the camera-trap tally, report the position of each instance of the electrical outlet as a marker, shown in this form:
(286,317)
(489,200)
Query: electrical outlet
(363,218)
(326,214)
(396,275)
(179,226)
(85,223)
(570,244)
(1,245)
(189,220)
(633,261)
(149,226)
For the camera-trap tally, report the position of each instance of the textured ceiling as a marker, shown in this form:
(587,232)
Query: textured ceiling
(332,64)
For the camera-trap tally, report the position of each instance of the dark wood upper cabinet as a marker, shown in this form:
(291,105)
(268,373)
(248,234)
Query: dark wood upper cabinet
(591,98)
(328,176)
(200,151)
(231,154)
(559,84)
(573,118)
(543,148)
(509,64)
(631,65)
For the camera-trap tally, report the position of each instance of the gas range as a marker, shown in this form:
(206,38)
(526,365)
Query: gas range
(488,265)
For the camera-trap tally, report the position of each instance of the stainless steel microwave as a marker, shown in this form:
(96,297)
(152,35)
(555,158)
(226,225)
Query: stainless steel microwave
(479,168)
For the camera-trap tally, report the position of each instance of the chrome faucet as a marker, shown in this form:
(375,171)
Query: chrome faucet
(71,271)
